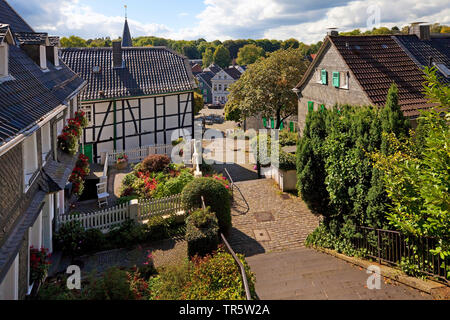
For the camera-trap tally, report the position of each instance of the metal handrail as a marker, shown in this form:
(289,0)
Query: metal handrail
(236,259)
(241,267)
(233,185)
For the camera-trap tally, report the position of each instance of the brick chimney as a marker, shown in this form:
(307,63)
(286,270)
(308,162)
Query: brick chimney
(421,31)
(117,54)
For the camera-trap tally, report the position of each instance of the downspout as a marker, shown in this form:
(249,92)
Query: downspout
(115,125)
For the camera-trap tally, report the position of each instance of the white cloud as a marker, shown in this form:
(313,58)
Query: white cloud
(305,20)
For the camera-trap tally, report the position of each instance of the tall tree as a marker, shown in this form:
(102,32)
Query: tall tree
(222,57)
(207,57)
(73,42)
(266,87)
(248,54)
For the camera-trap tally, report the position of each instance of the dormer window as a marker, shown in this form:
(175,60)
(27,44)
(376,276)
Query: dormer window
(4,54)
(30,161)
(43,57)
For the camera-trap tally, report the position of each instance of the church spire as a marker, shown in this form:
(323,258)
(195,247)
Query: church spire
(126,37)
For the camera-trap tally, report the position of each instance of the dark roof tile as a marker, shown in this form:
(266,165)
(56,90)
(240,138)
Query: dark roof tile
(147,71)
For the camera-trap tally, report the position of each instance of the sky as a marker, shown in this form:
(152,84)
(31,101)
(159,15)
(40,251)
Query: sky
(305,20)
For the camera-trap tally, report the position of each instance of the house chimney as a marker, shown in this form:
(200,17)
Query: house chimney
(421,31)
(117,54)
(332,32)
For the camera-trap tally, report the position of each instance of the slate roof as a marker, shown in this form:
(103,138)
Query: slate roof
(377,62)
(126,37)
(37,38)
(147,71)
(233,72)
(421,50)
(57,173)
(206,76)
(10,16)
(29,94)
(213,68)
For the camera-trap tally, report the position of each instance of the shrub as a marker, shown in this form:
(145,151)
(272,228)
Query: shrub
(287,138)
(202,232)
(287,161)
(70,238)
(155,163)
(94,240)
(157,228)
(217,277)
(169,283)
(216,196)
(127,234)
(113,285)
(174,185)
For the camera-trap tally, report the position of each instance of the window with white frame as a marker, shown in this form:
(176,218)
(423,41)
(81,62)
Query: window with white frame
(46,140)
(59,124)
(87,113)
(30,160)
(220,87)
(4,52)
(9,287)
(215,87)
(43,57)
(345,77)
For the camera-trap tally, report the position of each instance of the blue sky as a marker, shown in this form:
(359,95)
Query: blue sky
(305,20)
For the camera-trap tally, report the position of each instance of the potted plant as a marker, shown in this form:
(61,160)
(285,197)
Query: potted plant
(122,161)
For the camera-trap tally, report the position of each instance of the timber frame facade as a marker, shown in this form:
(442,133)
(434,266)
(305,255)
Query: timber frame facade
(128,123)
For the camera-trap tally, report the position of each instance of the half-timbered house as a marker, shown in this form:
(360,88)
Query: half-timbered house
(135,96)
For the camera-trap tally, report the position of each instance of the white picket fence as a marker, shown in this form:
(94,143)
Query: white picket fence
(138,154)
(102,220)
(163,206)
(140,211)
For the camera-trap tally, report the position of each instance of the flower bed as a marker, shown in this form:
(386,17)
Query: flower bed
(79,173)
(71,133)
(155,178)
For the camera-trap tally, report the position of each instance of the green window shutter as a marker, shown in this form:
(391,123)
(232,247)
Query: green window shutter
(291,126)
(272,123)
(322,107)
(324,76)
(281,126)
(336,79)
(310,106)
(264,122)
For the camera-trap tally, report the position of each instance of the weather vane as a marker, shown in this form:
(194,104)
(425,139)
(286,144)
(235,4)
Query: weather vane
(125,11)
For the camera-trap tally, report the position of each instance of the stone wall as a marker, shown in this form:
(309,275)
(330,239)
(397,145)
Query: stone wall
(327,94)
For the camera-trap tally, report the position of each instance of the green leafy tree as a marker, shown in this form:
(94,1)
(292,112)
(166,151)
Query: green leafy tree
(222,57)
(417,179)
(208,57)
(249,54)
(265,89)
(73,42)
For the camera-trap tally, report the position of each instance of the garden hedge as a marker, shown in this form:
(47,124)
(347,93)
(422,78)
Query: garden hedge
(202,233)
(216,197)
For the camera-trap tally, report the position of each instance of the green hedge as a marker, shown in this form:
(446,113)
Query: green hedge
(202,232)
(216,197)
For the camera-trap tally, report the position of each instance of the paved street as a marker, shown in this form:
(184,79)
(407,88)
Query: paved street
(306,274)
(271,231)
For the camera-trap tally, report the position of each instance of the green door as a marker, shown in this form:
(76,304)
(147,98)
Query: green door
(88,152)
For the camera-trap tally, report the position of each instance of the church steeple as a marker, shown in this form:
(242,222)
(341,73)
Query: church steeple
(126,37)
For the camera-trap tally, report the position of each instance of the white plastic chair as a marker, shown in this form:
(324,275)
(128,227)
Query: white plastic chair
(102,194)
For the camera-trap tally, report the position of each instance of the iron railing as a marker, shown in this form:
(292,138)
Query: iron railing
(236,259)
(393,247)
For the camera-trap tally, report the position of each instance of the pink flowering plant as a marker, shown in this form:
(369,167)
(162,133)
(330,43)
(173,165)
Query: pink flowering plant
(121,158)
(223,180)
